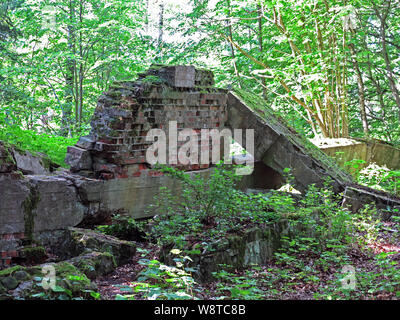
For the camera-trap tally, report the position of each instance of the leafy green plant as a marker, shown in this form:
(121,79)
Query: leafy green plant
(237,287)
(380,178)
(158,281)
(210,206)
(124,227)
(53,146)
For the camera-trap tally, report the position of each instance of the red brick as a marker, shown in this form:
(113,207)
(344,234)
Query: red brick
(155,173)
(12,254)
(107,176)
(9,236)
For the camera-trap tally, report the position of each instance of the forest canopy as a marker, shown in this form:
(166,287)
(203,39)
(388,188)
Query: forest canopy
(330,67)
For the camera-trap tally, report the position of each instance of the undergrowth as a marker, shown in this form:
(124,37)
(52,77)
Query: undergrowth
(53,146)
(332,255)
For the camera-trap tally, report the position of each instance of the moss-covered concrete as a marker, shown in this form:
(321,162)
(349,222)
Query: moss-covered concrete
(29,205)
(70,282)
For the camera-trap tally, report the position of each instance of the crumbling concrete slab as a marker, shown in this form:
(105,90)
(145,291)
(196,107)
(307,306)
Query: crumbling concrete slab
(279,147)
(370,151)
(356,197)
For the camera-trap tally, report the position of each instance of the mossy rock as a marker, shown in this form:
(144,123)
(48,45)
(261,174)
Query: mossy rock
(33,254)
(10,271)
(10,283)
(3,290)
(70,282)
(95,264)
(78,241)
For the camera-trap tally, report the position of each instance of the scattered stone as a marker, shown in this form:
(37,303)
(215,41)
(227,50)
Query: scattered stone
(21,275)
(30,164)
(255,246)
(78,241)
(9,283)
(95,264)
(86,142)
(78,159)
(33,254)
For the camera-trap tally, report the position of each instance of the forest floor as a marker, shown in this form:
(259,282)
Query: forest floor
(302,277)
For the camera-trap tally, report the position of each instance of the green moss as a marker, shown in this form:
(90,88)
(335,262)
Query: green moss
(29,205)
(67,276)
(46,163)
(114,93)
(97,264)
(34,254)
(6,153)
(152,79)
(9,271)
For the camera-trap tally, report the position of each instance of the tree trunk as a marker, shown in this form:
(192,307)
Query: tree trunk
(382,16)
(361,90)
(69,75)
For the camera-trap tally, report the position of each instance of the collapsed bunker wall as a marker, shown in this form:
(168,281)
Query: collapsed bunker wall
(109,172)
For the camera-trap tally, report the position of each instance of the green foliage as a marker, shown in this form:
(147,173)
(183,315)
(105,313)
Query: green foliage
(375,176)
(124,227)
(211,206)
(158,281)
(53,146)
(238,287)
(380,178)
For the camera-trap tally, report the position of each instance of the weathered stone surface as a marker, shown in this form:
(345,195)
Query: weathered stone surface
(30,164)
(33,254)
(7,161)
(356,197)
(370,151)
(14,194)
(9,283)
(132,196)
(184,77)
(13,159)
(78,159)
(76,241)
(255,246)
(57,205)
(94,264)
(86,142)
(21,275)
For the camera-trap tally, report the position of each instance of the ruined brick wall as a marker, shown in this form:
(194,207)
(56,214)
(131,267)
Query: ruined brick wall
(116,146)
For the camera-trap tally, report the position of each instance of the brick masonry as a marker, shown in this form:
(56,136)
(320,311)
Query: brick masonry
(10,244)
(116,146)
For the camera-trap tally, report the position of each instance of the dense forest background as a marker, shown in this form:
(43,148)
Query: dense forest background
(331,68)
